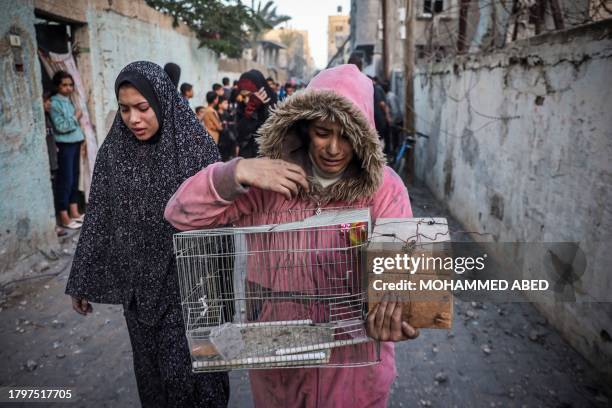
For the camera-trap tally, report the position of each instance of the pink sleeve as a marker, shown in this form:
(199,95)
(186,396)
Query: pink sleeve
(391,200)
(210,198)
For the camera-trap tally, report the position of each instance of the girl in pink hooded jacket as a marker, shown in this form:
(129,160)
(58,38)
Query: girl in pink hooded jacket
(318,148)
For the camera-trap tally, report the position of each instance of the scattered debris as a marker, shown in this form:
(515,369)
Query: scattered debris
(536,336)
(31,365)
(441,377)
(42,266)
(57,324)
(15,294)
(486,349)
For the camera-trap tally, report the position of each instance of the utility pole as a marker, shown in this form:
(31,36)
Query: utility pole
(385,41)
(409,122)
(463,16)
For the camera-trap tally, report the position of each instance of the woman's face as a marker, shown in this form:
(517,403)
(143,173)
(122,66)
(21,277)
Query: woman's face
(65,87)
(329,148)
(224,105)
(137,114)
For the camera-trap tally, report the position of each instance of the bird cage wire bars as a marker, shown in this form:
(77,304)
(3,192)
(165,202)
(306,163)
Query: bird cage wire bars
(288,294)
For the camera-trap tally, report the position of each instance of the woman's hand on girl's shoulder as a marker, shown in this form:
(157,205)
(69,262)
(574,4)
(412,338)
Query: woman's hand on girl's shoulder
(272,175)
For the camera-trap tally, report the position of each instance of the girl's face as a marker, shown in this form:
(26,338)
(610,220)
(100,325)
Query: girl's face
(66,87)
(137,114)
(224,105)
(47,105)
(329,148)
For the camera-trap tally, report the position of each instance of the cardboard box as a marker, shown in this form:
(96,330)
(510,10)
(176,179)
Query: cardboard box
(404,240)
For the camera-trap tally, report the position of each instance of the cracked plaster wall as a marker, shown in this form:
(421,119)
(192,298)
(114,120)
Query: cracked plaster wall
(26,208)
(520,147)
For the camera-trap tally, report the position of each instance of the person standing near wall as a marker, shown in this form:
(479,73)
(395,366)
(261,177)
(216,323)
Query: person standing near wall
(381,114)
(125,254)
(174,72)
(227,138)
(397,117)
(254,109)
(227,89)
(52,153)
(211,117)
(68,137)
(186,91)
(199,111)
(218,89)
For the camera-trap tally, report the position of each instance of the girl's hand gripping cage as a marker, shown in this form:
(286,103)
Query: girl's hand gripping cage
(279,295)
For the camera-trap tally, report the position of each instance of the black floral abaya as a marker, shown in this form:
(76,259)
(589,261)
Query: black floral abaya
(124,255)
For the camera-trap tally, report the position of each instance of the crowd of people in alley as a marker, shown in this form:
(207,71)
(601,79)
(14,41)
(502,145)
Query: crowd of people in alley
(231,113)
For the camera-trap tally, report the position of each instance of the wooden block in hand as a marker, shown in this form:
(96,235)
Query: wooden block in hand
(427,309)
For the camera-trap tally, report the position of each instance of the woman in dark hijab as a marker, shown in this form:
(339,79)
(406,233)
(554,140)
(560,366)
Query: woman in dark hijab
(174,72)
(257,99)
(125,255)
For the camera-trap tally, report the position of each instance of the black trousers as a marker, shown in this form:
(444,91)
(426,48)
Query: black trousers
(68,160)
(162,365)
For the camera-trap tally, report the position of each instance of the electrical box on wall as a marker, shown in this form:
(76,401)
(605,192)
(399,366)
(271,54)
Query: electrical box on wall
(15,40)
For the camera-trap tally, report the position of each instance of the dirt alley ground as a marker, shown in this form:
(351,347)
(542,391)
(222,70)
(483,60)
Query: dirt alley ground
(496,355)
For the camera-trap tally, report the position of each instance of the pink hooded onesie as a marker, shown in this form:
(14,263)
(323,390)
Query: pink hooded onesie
(213,198)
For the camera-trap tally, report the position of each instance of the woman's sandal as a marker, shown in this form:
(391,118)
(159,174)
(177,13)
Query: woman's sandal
(72,225)
(79,219)
(60,232)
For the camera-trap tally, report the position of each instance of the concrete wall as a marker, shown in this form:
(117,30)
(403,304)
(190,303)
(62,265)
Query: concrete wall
(109,35)
(26,207)
(520,147)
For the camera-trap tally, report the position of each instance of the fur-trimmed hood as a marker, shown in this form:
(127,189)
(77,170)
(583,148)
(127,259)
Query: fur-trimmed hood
(341,94)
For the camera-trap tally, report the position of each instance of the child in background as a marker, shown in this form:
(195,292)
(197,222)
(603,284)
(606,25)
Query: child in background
(211,117)
(68,137)
(186,91)
(52,152)
(199,111)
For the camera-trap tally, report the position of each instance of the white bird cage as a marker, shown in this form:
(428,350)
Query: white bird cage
(279,295)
